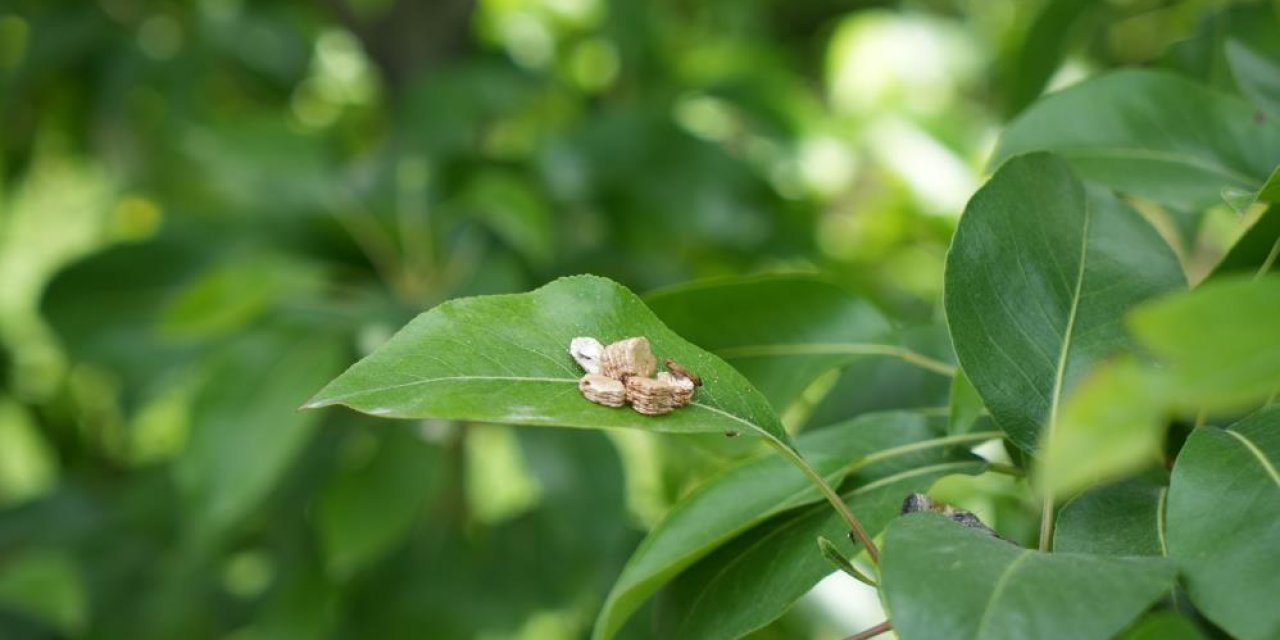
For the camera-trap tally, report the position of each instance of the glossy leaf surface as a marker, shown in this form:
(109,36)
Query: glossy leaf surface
(1039,274)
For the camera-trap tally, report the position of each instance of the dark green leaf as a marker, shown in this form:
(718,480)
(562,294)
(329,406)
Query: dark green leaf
(1122,519)
(1043,47)
(1038,277)
(370,504)
(1152,134)
(943,580)
(505,359)
(1224,520)
(775,564)
(1256,250)
(746,495)
(245,430)
(781,332)
(1163,625)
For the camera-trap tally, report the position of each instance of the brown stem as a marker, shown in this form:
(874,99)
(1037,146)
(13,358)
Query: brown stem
(872,632)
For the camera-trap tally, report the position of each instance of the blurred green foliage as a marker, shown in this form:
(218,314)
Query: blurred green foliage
(207,208)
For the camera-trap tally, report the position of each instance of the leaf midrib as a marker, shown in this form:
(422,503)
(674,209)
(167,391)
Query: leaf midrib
(1059,376)
(1257,453)
(1001,583)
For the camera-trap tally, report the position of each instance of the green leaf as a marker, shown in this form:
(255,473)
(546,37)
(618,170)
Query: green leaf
(371,503)
(1152,134)
(1270,191)
(943,580)
(1257,75)
(1217,343)
(1111,425)
(1224,520)
(1039,274)
(47,585)
(1257,249)
(966,405)
(505,359)
(748,494)
(775,564)
(781,332)
(1162,625)
(245,431)
(1121,519)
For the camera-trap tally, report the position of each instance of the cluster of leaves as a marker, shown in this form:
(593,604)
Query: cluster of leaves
(1073,326)
(208,209)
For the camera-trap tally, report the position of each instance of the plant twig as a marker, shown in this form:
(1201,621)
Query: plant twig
(855,526)
(872,632)
(1046,521)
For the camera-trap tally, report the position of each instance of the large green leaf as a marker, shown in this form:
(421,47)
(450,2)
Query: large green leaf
(944,580)
(1039,274)
(750,493)
(1152,134)
(1217,343)
(505,358)
(781,332)
(1121,519)
(773,565)
(245,431)
(1224,521)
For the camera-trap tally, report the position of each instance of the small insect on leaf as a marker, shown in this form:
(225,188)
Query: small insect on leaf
(917,502)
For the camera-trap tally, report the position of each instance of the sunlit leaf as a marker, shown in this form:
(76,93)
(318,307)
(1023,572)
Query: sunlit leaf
(506,359)
(1217,343)
(1111,425)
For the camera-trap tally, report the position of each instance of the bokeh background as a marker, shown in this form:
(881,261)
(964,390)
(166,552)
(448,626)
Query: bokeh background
(209,208)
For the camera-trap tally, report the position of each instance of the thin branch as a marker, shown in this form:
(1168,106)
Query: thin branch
(872,632)
(855,526)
